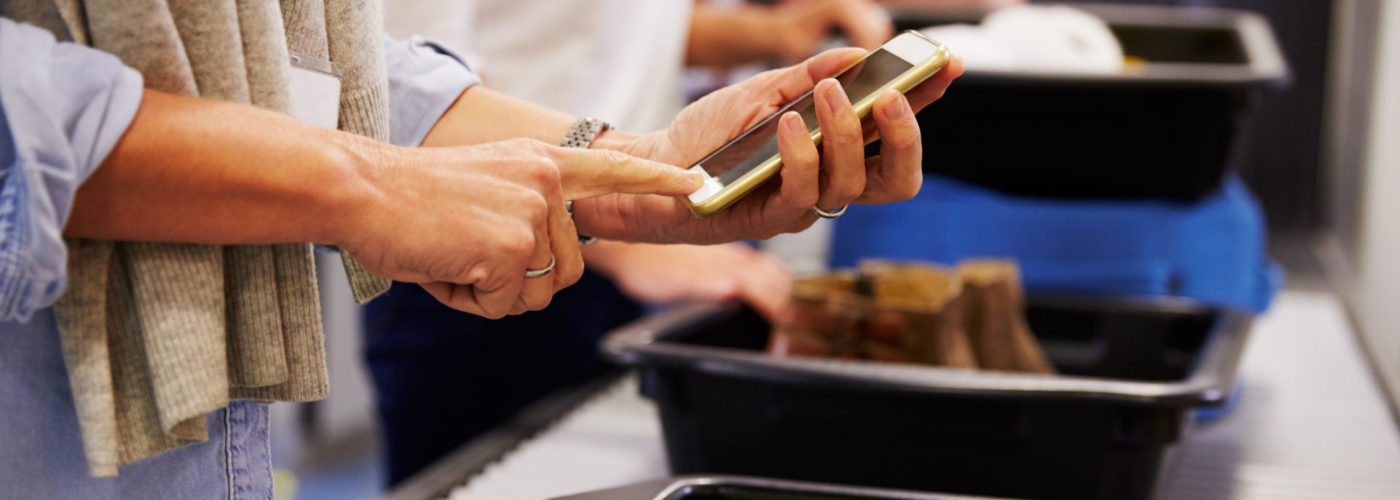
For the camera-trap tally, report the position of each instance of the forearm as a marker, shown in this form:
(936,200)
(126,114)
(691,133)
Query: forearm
(727,37)
(482,115)
(199,171)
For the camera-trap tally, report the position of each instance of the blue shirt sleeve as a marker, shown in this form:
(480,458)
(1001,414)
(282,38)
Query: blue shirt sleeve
(63,107)
(424,80)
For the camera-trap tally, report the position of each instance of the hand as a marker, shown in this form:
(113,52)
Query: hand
(956,6)
(669,273)
(798,26)
(839,175)
(467,222)
(792,30)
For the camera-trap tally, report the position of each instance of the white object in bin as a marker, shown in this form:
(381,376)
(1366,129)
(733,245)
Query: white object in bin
(1037,38)
(708,189)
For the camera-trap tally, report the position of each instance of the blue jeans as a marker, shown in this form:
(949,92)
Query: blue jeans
(41,450)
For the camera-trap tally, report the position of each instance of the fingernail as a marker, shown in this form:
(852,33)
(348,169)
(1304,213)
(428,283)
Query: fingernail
(694,178)
(835,97)
(895,106)
(793,122)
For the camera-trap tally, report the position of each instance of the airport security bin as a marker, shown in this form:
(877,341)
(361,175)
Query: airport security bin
(1171,127)
(1131,373)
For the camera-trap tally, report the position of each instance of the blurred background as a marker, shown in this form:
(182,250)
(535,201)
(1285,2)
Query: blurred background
(1240,154)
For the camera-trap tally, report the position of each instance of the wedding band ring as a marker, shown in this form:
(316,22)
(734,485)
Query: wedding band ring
(830,215)
(535,273)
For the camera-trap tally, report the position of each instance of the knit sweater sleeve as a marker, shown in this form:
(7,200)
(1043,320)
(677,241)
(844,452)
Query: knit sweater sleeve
(425,78)
(63,107)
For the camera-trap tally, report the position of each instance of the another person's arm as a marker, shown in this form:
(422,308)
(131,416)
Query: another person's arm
(668,273)
(792,30)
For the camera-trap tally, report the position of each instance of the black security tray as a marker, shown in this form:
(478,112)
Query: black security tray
(1131,372)
(1171,128)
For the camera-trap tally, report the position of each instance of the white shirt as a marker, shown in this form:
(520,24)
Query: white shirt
(618,60)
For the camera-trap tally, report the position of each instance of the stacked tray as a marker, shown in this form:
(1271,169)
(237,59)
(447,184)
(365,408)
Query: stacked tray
(1171,127)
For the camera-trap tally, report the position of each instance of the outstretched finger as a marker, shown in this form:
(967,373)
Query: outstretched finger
(586,173)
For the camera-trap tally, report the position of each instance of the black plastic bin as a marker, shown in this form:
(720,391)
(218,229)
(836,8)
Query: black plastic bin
(750,488)
(1131,373)
(1171,128)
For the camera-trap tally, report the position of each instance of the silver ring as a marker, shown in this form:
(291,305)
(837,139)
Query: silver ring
(535,273)
(831,215)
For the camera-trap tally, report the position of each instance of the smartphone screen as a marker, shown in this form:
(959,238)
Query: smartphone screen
(760,142)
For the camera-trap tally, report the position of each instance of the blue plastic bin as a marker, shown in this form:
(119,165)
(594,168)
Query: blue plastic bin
(1211,250)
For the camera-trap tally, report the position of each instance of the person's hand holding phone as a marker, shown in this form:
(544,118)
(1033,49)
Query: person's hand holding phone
(839,175)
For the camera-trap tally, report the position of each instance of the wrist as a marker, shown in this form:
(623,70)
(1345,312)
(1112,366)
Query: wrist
(615,140)
(352,188)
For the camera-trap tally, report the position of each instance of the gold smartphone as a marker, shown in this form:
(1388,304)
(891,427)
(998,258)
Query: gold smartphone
(741,165)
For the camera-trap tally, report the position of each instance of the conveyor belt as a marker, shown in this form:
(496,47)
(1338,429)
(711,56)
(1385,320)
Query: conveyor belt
(1312,421)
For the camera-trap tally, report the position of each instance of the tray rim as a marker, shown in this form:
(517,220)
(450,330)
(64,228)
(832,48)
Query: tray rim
(1209,383)
(670,489)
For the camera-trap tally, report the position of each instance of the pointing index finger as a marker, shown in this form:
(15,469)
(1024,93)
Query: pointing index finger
(586,173)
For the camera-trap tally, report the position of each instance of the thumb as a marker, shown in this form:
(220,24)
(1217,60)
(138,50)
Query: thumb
(586,173)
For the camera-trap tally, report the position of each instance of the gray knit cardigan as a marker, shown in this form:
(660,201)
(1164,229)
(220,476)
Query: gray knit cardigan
(156,335)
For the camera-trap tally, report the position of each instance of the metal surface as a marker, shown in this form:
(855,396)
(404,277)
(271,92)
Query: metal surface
(687,486)
(470,459)
(1209,382)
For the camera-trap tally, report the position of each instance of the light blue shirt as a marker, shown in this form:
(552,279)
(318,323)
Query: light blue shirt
(63,107)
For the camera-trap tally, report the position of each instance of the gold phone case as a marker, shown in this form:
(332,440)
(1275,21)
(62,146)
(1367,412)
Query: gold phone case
(742,186)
